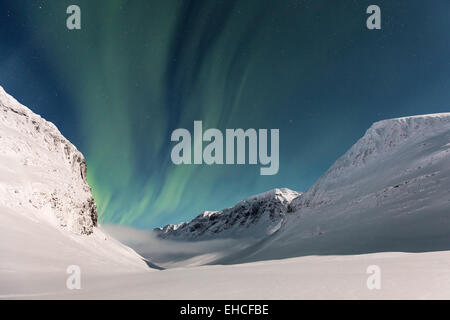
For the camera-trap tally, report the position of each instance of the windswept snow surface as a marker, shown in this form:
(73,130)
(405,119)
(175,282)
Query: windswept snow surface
(403,276)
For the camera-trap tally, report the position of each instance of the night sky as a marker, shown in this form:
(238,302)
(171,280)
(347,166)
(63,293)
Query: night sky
(137,70)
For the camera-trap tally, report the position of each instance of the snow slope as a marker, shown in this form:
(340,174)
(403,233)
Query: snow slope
(48,218)
(34,255)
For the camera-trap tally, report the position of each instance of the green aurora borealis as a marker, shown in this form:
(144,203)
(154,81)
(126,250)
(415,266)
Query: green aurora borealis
(139,69)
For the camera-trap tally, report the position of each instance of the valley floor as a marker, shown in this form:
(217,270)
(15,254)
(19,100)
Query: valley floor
(403,276)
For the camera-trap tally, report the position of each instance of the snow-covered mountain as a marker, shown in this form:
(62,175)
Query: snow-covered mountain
(262,215)
(389,192)
(41,171)
(48,217)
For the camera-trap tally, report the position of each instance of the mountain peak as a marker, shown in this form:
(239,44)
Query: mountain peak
(283,194)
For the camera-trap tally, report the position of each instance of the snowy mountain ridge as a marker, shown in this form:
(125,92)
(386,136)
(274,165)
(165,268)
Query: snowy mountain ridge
(263,213)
